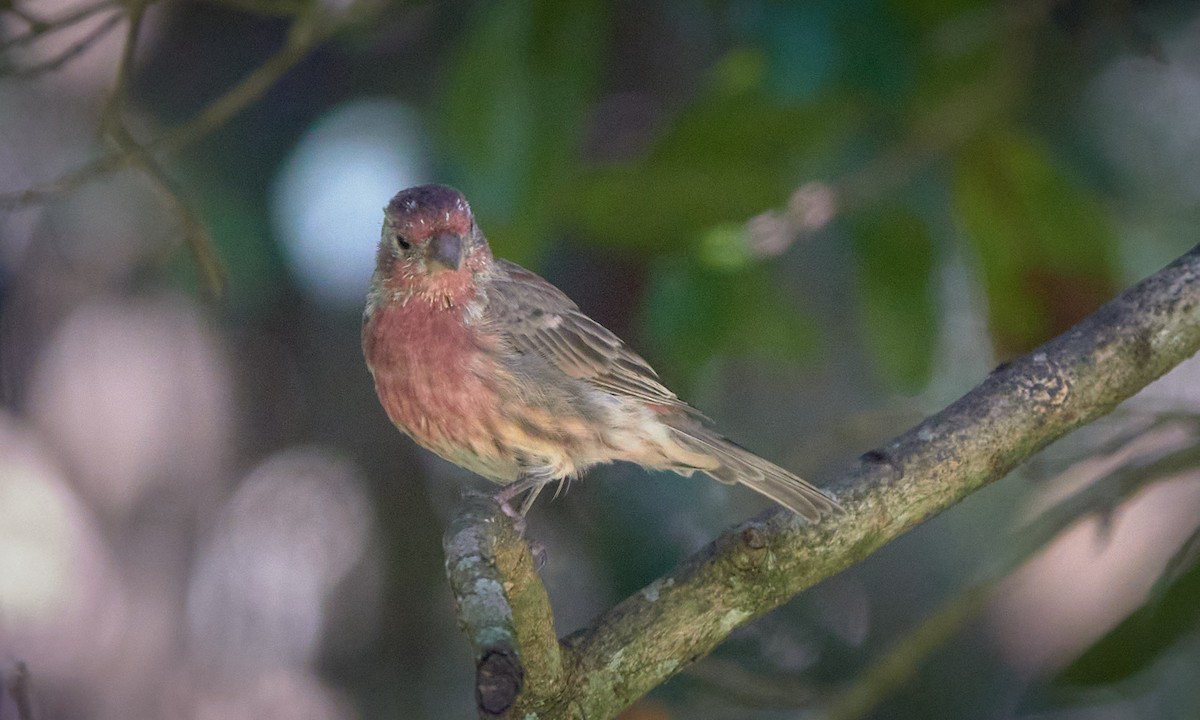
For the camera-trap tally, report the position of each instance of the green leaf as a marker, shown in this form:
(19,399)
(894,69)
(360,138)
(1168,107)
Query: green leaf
(695,312)
(1141,639)
(254,268)
(1045,246)
(727,157)
(513,113)
(936,15)
(895,275)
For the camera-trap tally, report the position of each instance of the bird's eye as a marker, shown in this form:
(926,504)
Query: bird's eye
(404,244)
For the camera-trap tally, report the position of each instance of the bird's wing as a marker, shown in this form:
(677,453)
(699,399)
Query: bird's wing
(539,318)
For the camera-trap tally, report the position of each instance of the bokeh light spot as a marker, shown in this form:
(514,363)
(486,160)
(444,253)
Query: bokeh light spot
(328,199)
(294,529)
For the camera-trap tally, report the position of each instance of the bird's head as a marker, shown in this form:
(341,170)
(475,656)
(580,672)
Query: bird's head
(430,245)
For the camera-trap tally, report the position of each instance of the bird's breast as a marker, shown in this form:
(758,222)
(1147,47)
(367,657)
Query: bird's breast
(436,377)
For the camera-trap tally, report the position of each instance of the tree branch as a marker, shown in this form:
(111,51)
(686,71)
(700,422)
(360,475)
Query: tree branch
(900,664)
(39,28)
(1021,407)
(308,30)
(72,51)
(112,125)
(502,606)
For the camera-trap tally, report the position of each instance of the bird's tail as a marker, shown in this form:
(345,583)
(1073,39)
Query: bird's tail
(739,465)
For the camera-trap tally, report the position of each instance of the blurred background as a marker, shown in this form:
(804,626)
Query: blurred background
(820,221)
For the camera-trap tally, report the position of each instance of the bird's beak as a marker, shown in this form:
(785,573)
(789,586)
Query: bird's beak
(446,250)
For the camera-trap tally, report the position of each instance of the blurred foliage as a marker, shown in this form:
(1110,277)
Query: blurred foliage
(515,105)
(896,285)
(1170,616)
(1045,246)
(242,238)
(726,157)
(695,313)
(802,91)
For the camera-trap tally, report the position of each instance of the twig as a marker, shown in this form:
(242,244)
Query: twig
(196,237)
(40,28)
(10,6)
(930,138)
(1096,499)
(1017,410)
(308,30)
(111,117)
(73,51)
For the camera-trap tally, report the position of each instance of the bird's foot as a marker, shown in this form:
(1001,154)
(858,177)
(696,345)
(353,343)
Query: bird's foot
(531,486)
(518,519)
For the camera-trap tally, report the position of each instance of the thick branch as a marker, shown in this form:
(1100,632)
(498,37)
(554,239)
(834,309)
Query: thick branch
(1018,409)
(502,606)
(892,670)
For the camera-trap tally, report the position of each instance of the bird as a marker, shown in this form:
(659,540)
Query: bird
(498,371)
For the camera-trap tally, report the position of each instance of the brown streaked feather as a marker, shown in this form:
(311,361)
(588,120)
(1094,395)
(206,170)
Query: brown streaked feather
(540,318)
(739,465)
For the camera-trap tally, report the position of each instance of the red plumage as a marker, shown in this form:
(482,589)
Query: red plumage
(493,368)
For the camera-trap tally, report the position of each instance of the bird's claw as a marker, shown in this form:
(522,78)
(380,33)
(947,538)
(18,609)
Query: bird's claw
(537,552)
(518,519)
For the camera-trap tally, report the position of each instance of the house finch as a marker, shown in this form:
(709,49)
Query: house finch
(496,370)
